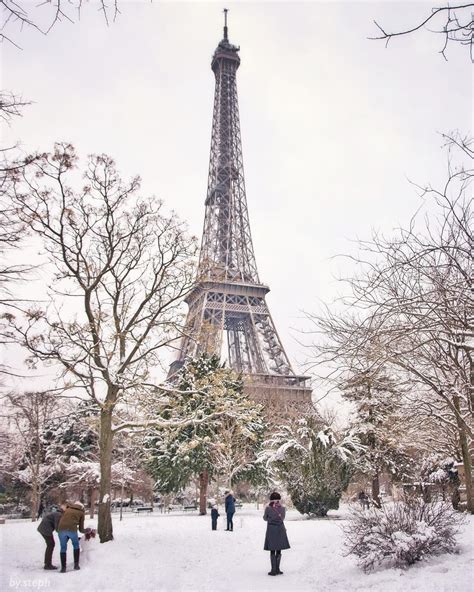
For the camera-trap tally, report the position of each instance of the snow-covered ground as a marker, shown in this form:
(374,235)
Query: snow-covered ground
(179,552)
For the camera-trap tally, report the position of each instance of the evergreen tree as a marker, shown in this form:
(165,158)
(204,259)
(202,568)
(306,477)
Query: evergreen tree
(378,425)
(24,456)
(225,446)
(313,464)
(73,435)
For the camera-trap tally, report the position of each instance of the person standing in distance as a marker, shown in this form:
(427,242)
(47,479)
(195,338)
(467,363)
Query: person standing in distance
(229,509)
(214,516)
(275,538)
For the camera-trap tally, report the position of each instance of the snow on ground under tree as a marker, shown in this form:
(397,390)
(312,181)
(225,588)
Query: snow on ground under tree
(179,552)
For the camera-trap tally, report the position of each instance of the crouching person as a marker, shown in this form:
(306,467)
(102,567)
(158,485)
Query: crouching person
(71,521)
(46,528)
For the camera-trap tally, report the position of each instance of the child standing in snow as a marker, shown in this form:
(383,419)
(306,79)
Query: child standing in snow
(214,516)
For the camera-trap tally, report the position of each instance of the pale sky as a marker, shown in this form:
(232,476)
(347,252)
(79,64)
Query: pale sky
(333,125)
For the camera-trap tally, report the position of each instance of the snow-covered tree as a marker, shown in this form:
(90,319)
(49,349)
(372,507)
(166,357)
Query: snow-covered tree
(72,436)
(123,266)
(225,447)
(379,425)
(410,309)
(312,462)
(85,475)
(25,457)
(439,474)
(71,441)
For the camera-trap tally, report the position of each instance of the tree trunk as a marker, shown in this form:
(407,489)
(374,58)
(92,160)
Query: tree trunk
(92,498)
(106,438)
(471,382)
(203,483)
(426,492)
(466,457)
(35,500)
(455,496)
(467,462)
(376,491)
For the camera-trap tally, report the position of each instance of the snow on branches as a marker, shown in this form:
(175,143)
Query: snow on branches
(314,464)
(122,265)
(222,443)
(408,312)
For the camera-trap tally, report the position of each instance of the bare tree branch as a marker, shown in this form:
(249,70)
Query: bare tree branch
(17,15)
(457,26)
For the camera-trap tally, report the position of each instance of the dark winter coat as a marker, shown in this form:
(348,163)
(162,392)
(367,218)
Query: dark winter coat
(49,523)
(72,519)
(214,514)
(275,538)
(229,504)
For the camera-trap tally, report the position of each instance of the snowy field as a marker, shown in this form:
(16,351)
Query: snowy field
(179,552)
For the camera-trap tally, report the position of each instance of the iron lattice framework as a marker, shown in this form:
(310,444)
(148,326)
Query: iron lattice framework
(227,309)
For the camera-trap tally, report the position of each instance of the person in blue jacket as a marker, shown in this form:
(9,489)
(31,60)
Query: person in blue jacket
(229,509)
(214,516)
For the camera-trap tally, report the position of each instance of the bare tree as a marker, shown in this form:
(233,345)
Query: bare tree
(13,231)
(17,15)
(454,24)
(124,266)
(412,309)
(11,106)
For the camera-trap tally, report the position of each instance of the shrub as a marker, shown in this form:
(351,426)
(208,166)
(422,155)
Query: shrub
(312,462)
(399,534)
(319,483)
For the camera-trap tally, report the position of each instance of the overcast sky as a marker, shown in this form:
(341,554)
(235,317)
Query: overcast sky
(333,125)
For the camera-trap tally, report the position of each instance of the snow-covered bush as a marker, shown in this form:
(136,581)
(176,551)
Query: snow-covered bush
(399,534)
(312,462)
(321,478)
(438,477)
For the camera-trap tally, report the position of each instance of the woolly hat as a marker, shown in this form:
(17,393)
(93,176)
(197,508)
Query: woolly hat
(79,504)
(275,496)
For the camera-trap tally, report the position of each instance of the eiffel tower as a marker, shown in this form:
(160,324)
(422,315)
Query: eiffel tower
(227,313)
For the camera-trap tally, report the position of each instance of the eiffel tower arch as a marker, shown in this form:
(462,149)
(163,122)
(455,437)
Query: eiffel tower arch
(228,313)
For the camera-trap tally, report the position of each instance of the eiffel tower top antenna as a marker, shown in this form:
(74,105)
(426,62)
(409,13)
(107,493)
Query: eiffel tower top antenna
(226,10)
